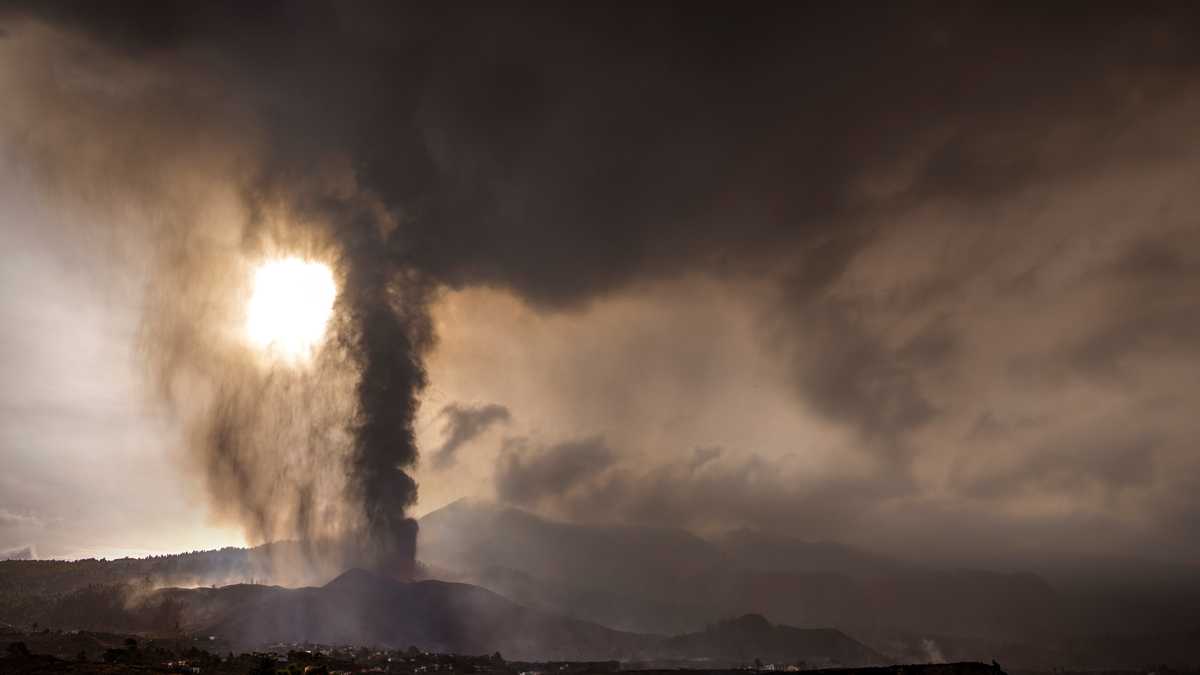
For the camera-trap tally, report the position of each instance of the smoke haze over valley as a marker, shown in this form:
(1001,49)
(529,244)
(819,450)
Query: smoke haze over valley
(876,319)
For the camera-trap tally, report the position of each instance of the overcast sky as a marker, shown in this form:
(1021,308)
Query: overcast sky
(921,280)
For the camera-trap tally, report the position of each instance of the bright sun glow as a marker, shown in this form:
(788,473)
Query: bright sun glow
(290,307)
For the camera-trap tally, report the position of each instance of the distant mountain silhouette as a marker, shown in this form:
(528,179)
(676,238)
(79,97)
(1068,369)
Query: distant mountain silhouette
(751,637)
(360,607)
(670,581)
(632,578)
(620,586)
(363,608)
(659,580)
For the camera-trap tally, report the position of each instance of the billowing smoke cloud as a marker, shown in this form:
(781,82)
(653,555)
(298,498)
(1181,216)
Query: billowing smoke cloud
(586,480)
(318,452)
(390,331)
(528,475)
(568,155)
(463,424)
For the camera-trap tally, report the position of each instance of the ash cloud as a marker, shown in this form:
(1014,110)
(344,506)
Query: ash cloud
(907,192)
(528,475)
(586,480)
(463,424)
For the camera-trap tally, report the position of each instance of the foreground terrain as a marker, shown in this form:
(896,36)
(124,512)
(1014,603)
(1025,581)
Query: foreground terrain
(362,608)
(500,579)
(48,651)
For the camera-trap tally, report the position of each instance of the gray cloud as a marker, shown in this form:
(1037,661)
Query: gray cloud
(587,480)
(20,553)
(702,456)
(1112,464)
(850,375)
(462,424)
(963,240)
(16,519)
(529,475)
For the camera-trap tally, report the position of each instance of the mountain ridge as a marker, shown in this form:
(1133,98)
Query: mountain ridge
(360,607)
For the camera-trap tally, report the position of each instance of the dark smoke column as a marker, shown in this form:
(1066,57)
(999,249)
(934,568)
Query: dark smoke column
(386,331)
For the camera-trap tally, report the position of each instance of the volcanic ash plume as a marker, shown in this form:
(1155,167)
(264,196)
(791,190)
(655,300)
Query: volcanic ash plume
(173,151)
(388,332)
(311,447)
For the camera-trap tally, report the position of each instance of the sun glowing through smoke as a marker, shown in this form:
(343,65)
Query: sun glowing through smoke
(290,306)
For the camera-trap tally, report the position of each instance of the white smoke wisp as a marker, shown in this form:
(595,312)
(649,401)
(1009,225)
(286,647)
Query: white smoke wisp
(19,553)
(933,653)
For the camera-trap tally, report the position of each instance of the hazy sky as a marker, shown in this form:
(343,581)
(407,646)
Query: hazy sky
(925,281)
(87,469)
